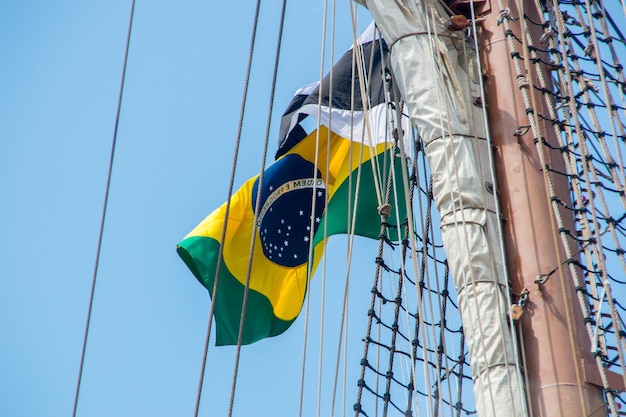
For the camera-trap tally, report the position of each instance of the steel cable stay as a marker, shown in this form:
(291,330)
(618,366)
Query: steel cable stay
(322,301)
(104,210)
(220,256)
(307,301)
(258,197)
(350,227)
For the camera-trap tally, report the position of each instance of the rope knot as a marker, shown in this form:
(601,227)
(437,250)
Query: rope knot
(547,35)
(504,14)
(384,210)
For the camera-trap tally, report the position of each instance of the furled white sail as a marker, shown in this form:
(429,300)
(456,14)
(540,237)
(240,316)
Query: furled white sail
(437,76)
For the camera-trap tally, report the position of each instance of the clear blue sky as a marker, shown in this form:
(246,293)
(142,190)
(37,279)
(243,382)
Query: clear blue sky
(59,82)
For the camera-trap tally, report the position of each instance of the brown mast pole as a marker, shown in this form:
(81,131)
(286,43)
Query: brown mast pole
(553,334)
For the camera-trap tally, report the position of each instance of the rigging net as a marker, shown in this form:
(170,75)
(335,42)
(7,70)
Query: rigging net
(415,357)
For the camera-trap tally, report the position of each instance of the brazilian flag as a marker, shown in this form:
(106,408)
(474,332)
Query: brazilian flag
(293,208)
(279,261)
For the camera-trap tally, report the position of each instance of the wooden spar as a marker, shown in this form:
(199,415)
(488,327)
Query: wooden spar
(553,336)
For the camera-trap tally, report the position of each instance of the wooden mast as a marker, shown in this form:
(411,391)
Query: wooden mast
(553,338)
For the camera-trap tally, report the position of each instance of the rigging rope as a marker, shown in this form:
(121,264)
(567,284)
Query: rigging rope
(326,198)
(257,207)
(343,327)
(244,99)
(313,204)
(104,210)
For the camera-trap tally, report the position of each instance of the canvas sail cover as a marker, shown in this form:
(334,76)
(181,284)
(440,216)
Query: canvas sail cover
(437,76)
